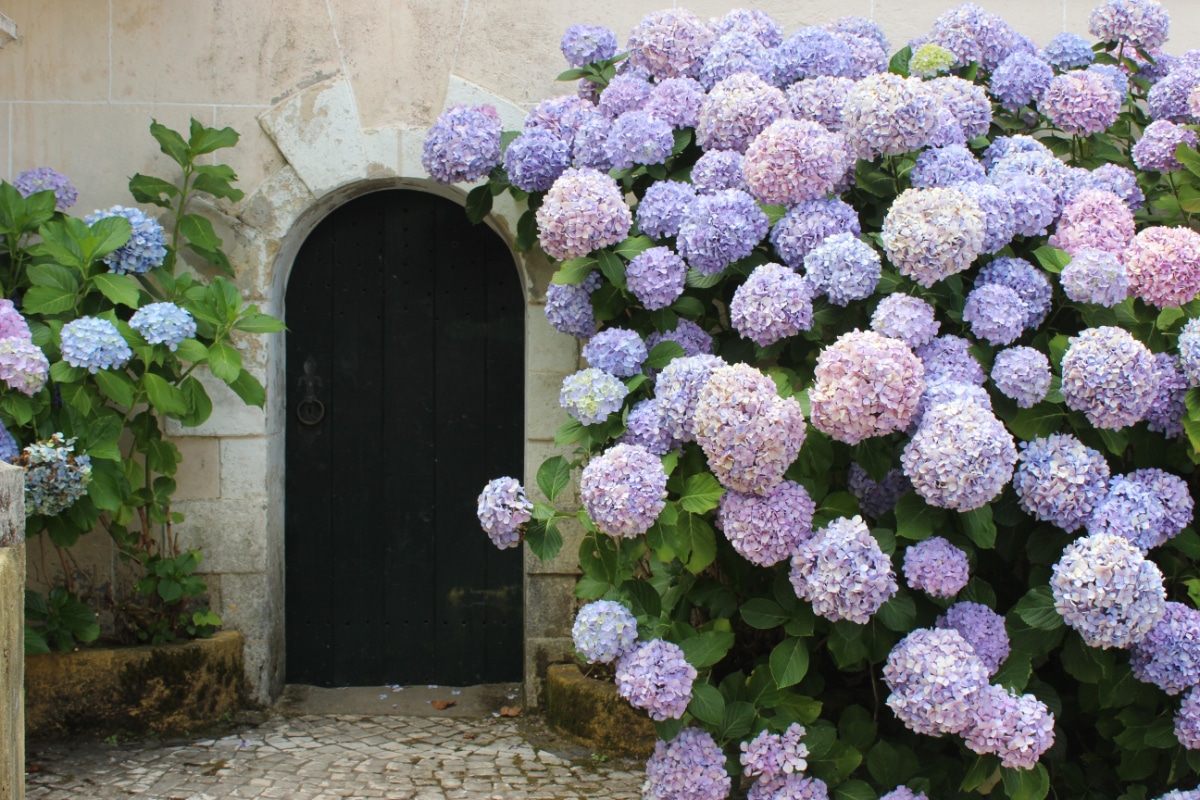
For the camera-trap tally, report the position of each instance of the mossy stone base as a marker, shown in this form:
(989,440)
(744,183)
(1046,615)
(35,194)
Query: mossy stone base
(165,689)
(592,712)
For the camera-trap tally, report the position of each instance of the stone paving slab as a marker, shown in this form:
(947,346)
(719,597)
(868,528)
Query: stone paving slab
(322,757)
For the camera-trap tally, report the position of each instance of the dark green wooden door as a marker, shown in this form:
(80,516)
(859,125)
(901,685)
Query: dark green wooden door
(405,353)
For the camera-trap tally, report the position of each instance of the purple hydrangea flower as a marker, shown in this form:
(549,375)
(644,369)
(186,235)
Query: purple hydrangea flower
(749,434)
(1116,77)
(590,395)
(934,677)
(1094,218)
(94,344)
(1032,202)
(624,93)
(617,351)
(1119,180)
(463,145)
(503,509)
(23,365)
(1133,510)
(885,114)
(1169,655)
(678,388)
(54,476)
(163,323)
(942,390)
(758,24)
(1080,103)
(771,755)
(862,28)
(12,323)
(1060,480)
(931,234)
(867,57)
(936,567)
(623,490)
(1155,151)
(1029,282)
(1189,351)
(968,104)
(1023,374)
(795,160)
(604,630)
(644,426)
(961,456)
(661,211)
(569,306)
(982,628)
(811,52)
(718,170)
(676,101)
(691,337)
(1018,728)
(535,159)
(44,179)
(1172,492)
(738,109)
(1166,413)
(10,451)
(808,224)
(1107,591)
(1138,23)
(948,358)
(1000,224)
(946,166)
(1095,276)
(907,318)
(146,247)
(636,137)
(995,313)
(843,268)
(842,572)
(1109,376)
(1004,146)
(1168,98)
(788,787)
(973,34)
(1021,79)
(774,303)
(656,277)
(903,793)
(561,116)
(584,44)
(719,229)
(670,44)
(588,148)
(689,767)
(734,53)
(656,678)
(1187,731)
(865,385)
(1068,51)
(1163,265)
(766,529)
(876,498)
(584,210)
(1039,164)
(820,100)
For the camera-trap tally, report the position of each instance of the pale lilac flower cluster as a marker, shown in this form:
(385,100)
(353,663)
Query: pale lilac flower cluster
(811,52)
(623,490)
(820,100)
(584,44)
(885,114)
(624,93)
(1172,492)
(691,337)
(1095,276)
(1097,219)
(936,567)
(656,277)
(961,456)
(1021,80)
(720,228)
(94,344)
(54,476)
(561,116)
(661,210)
(717,170)
(584,210)
(982,628)
(795,160)
(1060,480)
(995,313)
(588,146)
(773,304)
(163,323)
(903,793)
(644,427)
(934,677)
(689,767)
(45,179)
(590,395)
(1018,728)
(938,391)
(12,323)
(463,145)
(1164,266)
(1110,376)
(948,358)
(535,159)
(146,247)
(876,498)
(1166,413)
(737,110)
(946,166)
(758,24)
(842,571)
(1080,102)
(670,43)
(503,509)
(1168,99)
(1067,51)
(1119,180)
(749,434)
(1116,77)
(617,351)
(9,449)
(1169,655)
(865,384)
(636,137)
(604,630)
(1000,224)
(569,306)
(1140,23)
(1155,151)
(1029,282)
(788,787)
(1187,731)
(1034,208)
(931,234)
(734,53)
(1039,164)
(1188,345)
(678,389)
(907,318)
(808,224)
(968,104)
(676,101)
(1004,146)
(1133,509)
(771,755)
(843,268)
(1023,374)
(23,365)
(1107,591)
(766,529)
(656,678)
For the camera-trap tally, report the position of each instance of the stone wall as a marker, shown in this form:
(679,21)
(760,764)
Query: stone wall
(12,633)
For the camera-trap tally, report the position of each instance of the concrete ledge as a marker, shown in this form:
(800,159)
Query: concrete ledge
(166,689)
(591,712)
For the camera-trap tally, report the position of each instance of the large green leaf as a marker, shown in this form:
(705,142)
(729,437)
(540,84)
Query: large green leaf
(979,527)
(258,323)
(203,140)
(1036,608)
(543,539)
(706,649)
(696,530)
(48,300)
(764,614)
(148,189)
(708,704)
(916,519)
(216,180)
(224,361)
(120,289)
(553,476)
(701,493)
(171,143)
(199,231)
(199,404)
(789,662)
(247,387)
(165,398)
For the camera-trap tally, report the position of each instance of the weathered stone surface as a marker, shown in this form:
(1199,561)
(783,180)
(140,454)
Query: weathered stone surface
(591,711)
(12,664)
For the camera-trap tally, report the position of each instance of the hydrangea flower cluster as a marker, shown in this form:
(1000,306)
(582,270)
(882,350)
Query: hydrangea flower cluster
(720,228)
(885,114)
(820,100)
(1018,728)
(55,477)
(795,160)
(1164,266)
(1060,480)
(624,93)
(535,159)
(961,456)
(931,234)
(1187,731)
(1140,23)
(1094,218)
(678,391)
(689,767)
(982,628)
(1081,102)
(876,498)
(995,313)
(808,224)
(94,344)
(842,571)
(670,44)
(691,337)
(584,44)
(843,268)
(766,529)
(644,426)
(1188,345)
(23,365)
(788,787)
(583,210)
(934,677)
(637,137)
(656,277)
(676,101)
(1166,413)
(770,755)
(503,509)
(1109,376)
(717,170)
(9,449)
(936,567)
(1021,79)
(146,247)
(1169,654)
(604,630)
(1068,51)
(903,793)
(1095,276)
(738,109)
(774,303)
(617,351)
(951,165)
(1023,374)
(569,306)
(463,145)
(662,208)
(907,318)
(1029,282)
(655,677)
(163,323)
(1156,149)
(623,490)
(45,179)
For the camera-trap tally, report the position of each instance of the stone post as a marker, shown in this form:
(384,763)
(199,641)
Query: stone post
(12,632)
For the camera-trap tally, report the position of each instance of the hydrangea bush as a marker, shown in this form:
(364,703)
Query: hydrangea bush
(897,494)
(102,329)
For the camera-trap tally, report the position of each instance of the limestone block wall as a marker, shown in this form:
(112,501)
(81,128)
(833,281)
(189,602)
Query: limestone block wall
(12,633)
(333,99)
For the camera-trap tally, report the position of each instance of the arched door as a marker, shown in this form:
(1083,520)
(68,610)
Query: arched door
(405,354)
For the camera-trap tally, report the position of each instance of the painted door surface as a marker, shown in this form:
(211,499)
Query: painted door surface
(405,354)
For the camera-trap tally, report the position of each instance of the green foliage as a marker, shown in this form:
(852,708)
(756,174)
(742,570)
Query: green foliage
(57,622)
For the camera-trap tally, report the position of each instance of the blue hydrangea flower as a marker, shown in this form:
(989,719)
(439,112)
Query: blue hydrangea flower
(934,677)
(1188,345)
(719,229)
(569,306)
(733,53)
(1020,80)
(1004,146)
(623,490)
(656,678)
(624,93)
(1116,77)
(995,313)
(9,449)
(1060,480)
(903,793)
(758,24)
(808,224)
(1169,655)
(1080,102)
(678,389)
(1139,23)
(885,114)
(842,571)
(811,53)
(946,166)
(961,456)
(843,268)
(792,787)
(905,317)
(676,101)
(163,323)
(44,179)
(718,170)
(867,57)
(1132,509)
(1187,731)
(590,395)
(1034,208)
(1168,98)
(1109,376)
(940,390)
(146,247)
(604,630)
(54,476)
(656,277)
(689,767)
(820,100)
(773,304)
(968,104)
(503,509)
(691,337)
(463,145)
(1029,282)
(584,44)
(636,137)
(662,209)
(1034,162)
(535,159)
(1096,218)
(588,149)
(644,426)
(1018,728)
(861,27)
(1172,492)
(1117,179)
(23,365)
(936,567)
(738,109)
(949,358)
(876,498)
(771,755)
(973,34)
(766,529)
(670,43)
(1023,374)
(1155,151)
(982,628)
(1068,51)
(94,344)
(1166,413)
(999,217)
(562,116)
(617,351)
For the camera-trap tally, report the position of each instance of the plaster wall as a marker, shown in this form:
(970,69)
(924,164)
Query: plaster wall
(333,99)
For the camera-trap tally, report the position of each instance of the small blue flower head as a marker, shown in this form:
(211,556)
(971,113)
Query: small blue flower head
(583,44)
(1020,80)
(44,179)
(94,344)
(843,268)
(9,449)
(617,351)
(146,247)
(936,567)
(463,145)
(569,306)
(54,476)
(163,323)
(604,630)
(947,166)
(983,629)
(689,767)
(808,224)
(1068,51)
(1023,374)
(717,170)
(1169,656)
(995,313)
(907,318)
(719,229)
(656,677)
(535,159)
(656,277)
(636,137)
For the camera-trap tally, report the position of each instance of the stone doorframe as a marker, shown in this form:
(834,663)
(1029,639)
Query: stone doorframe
(330,160)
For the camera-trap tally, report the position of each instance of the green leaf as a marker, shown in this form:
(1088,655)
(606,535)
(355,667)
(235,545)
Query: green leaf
(1052,259)
(708,704)
(47,301)
(707,648)
(688,306)
(1036,608)
(203,140)
(247,387)
(764,614)
(165,398)
(215,257)
(668,729)
(1189,158)
(1041,420)
(479,203)
(257,323)
(683,138)
(899,613)
(553,476)
(916,519)
(703,539)
(62,372)
(199,231)
(663,354)
(224,361)
(543,539)
(890,765)
(634,246)
(116,385)
(171,143)
(1083,663)
(574,271)
(644,599)
(612,268)
(697,281)
(899,63)
(120,289)
(191,350)
(854,790)
(1015,672)
(1026,784)
(148,189)
(569,432)
(789,662)
(17,406)
(527,231)
(701,493)
(216,179)
(35,641)
(736,721)
(979,527)
(53,275)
